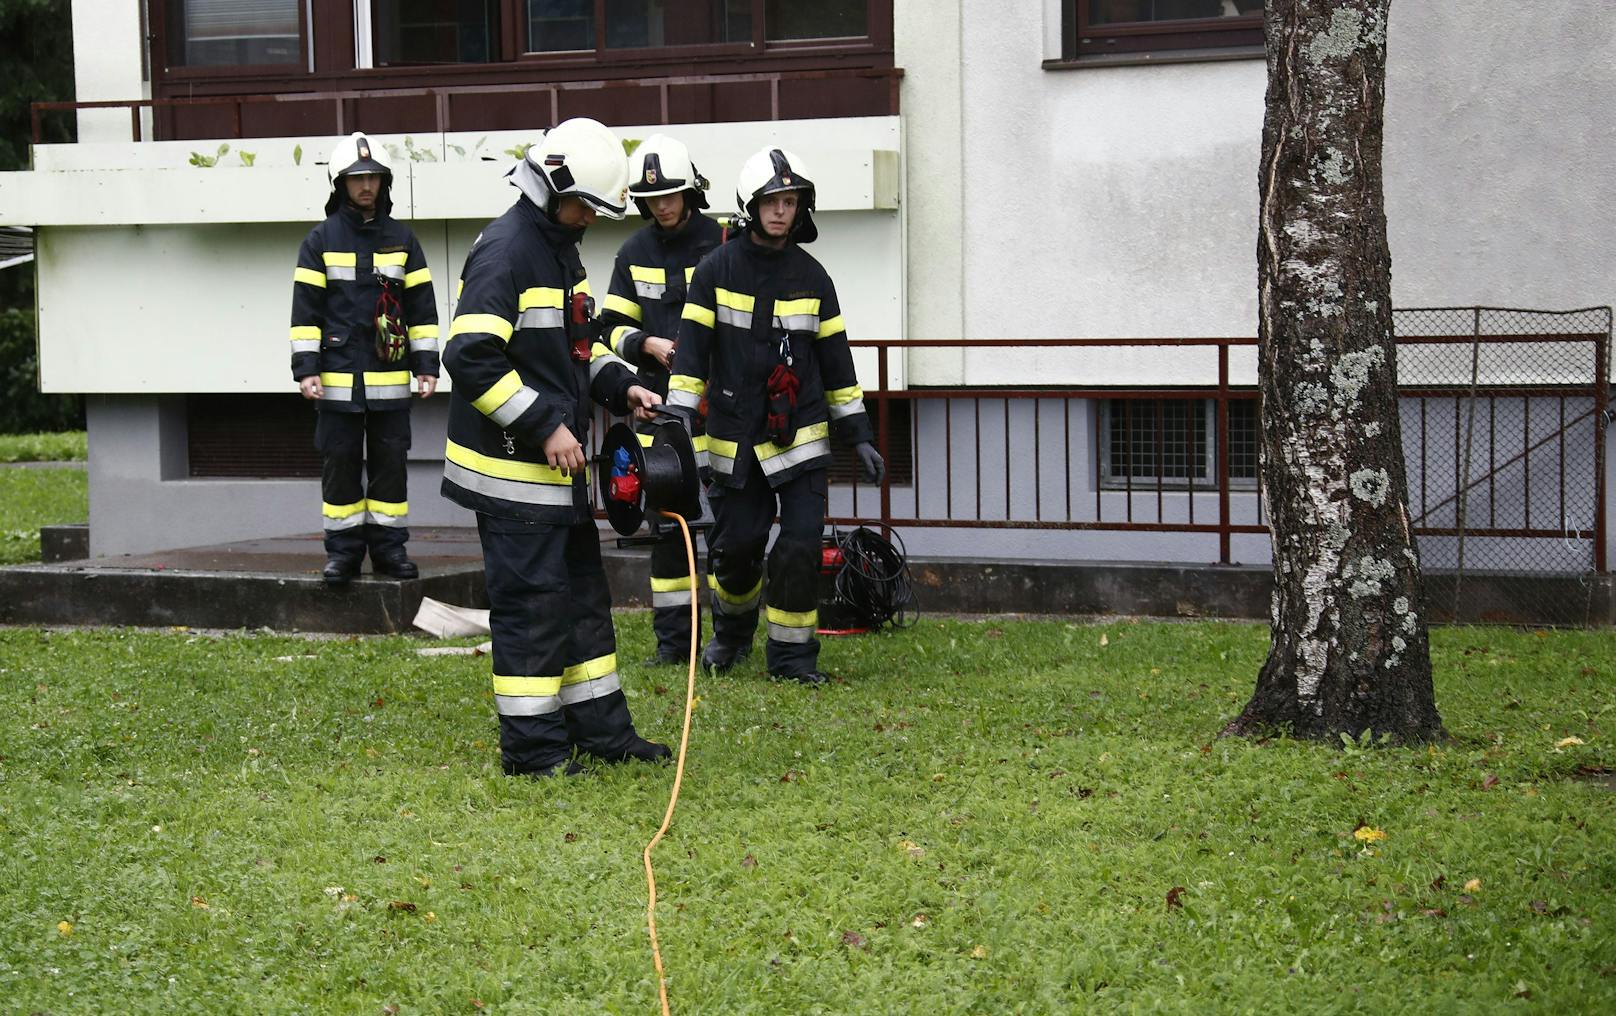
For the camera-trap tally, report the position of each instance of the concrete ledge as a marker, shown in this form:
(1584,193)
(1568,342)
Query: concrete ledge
(67,542)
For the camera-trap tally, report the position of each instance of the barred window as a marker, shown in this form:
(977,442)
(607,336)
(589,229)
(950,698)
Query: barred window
(1174,440)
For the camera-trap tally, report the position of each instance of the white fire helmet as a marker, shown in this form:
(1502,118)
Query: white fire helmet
(354,155)
(582,158)
(771,171)
(661,165)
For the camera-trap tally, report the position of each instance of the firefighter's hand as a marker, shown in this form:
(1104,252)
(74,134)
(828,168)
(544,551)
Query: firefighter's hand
(563,451)
(659,349)
(428,383)
(870,460)
(644,402)
(310,386)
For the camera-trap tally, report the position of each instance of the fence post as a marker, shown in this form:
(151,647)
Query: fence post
(1463,517)
(1223,453)
(882,424)
(1601,425)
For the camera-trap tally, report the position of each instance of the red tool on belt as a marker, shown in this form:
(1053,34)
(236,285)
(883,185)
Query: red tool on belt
(580,326)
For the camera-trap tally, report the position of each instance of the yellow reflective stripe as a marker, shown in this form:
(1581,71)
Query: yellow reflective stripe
(671,585)
(812,432)
(842,396)
(388,507)
(598,349)
(341,511)
(340,259)
(622,305)
(734,300)
(620,333)
(493,324)
(685,383)
(336,379)
(831,327)
(387,377)
(588,670)
(788,308)
(423,332)
(505,469)
(718,446)
(699,441)
(583,287)
(417,277)
(690,273)
(728,597)
(399,258)
(699,314)
(792,618)
(460,287)
(540,296)
(645,439)
(305,332)
(526,685)
(309,276)
(498,393)
(640,273)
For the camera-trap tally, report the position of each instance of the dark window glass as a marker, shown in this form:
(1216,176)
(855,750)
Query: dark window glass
(228,33)
(634,24)
(1242,439)
(1121,27)
(250,436)
(1147,438)
(1110,12)
(816,19)
(435,31)
(558,26)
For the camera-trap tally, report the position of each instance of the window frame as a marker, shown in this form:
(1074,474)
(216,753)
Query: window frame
(1139,40)
(1202,481)
(161,39)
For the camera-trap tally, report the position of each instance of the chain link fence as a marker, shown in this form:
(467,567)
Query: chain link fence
(1504,415)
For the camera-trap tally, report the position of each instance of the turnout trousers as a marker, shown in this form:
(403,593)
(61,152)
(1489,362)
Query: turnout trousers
(555,654)
(742,518)
(363,474)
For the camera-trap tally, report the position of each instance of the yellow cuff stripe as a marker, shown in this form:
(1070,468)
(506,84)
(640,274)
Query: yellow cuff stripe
(539,686)
(671,585)
(831,327)
(685,383)
(791,618)
(423,332)
(728,597)
(341,511)
(493,324)
(388,507)
(588,670)
(842,396)
(417,277)
(308,276)
(305,332)
(700,315)
(498,393)
(627,308)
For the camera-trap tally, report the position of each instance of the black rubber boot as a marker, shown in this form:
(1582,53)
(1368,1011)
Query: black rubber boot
(339,571)
(813,677)
(603,728)
(667,658)
(394,565)
(720,658)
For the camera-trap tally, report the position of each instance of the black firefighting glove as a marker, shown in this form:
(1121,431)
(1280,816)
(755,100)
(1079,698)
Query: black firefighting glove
(870,461)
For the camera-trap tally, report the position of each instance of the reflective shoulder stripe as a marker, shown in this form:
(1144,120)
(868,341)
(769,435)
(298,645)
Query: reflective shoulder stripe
(340,258)
(308,276)
(831,327)
(640,273)
(398,258)
(791,308)
(699,314)
(685,383)
(730,298)
(417,277)
(505,469)
(540,296)
(624,306)
(493,324)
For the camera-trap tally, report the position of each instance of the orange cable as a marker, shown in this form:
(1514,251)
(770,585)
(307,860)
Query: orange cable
(679,768)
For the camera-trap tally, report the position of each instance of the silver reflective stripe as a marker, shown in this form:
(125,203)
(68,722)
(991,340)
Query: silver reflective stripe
(305,345)
(540,317)
(343,272)
(703,461)
(731,316)
(514,406)
(676,598)
(337,525)
(794,456)
(391,271)
(383,392)
(423,345)
(331,393)
(381,519)
(847,408)
(599,363)
(720,464)
(798,323)
(682,399)
(786,633)
(723,606)
(649,290)
(527,705)
(583,691)
(508,490)
(623,335)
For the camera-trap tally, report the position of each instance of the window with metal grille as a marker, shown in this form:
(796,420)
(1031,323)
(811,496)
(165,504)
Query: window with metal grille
(1174,440)
(250,436)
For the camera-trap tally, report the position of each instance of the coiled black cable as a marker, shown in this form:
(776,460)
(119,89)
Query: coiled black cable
(874,579)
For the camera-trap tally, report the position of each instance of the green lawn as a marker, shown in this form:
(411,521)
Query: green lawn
(987,817)
(66,446)
(30,498)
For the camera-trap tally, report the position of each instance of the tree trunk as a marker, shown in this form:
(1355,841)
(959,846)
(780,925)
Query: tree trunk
(1349,650)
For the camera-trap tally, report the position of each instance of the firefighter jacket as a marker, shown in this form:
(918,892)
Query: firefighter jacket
(335,286)
(516,378)
(647,293)
(747,306)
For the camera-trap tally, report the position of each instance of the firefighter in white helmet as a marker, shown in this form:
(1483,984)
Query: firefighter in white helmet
(763,352)
(641,319)
(364,322)
(526,366)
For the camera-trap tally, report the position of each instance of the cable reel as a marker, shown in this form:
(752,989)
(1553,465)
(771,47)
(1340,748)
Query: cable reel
(639,479)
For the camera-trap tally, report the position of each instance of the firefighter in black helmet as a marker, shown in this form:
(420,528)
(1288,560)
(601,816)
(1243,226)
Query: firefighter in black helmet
(641,316)
(763,351)
(364,322)
(526,366)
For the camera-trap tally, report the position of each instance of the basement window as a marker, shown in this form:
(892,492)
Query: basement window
(1174,440)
